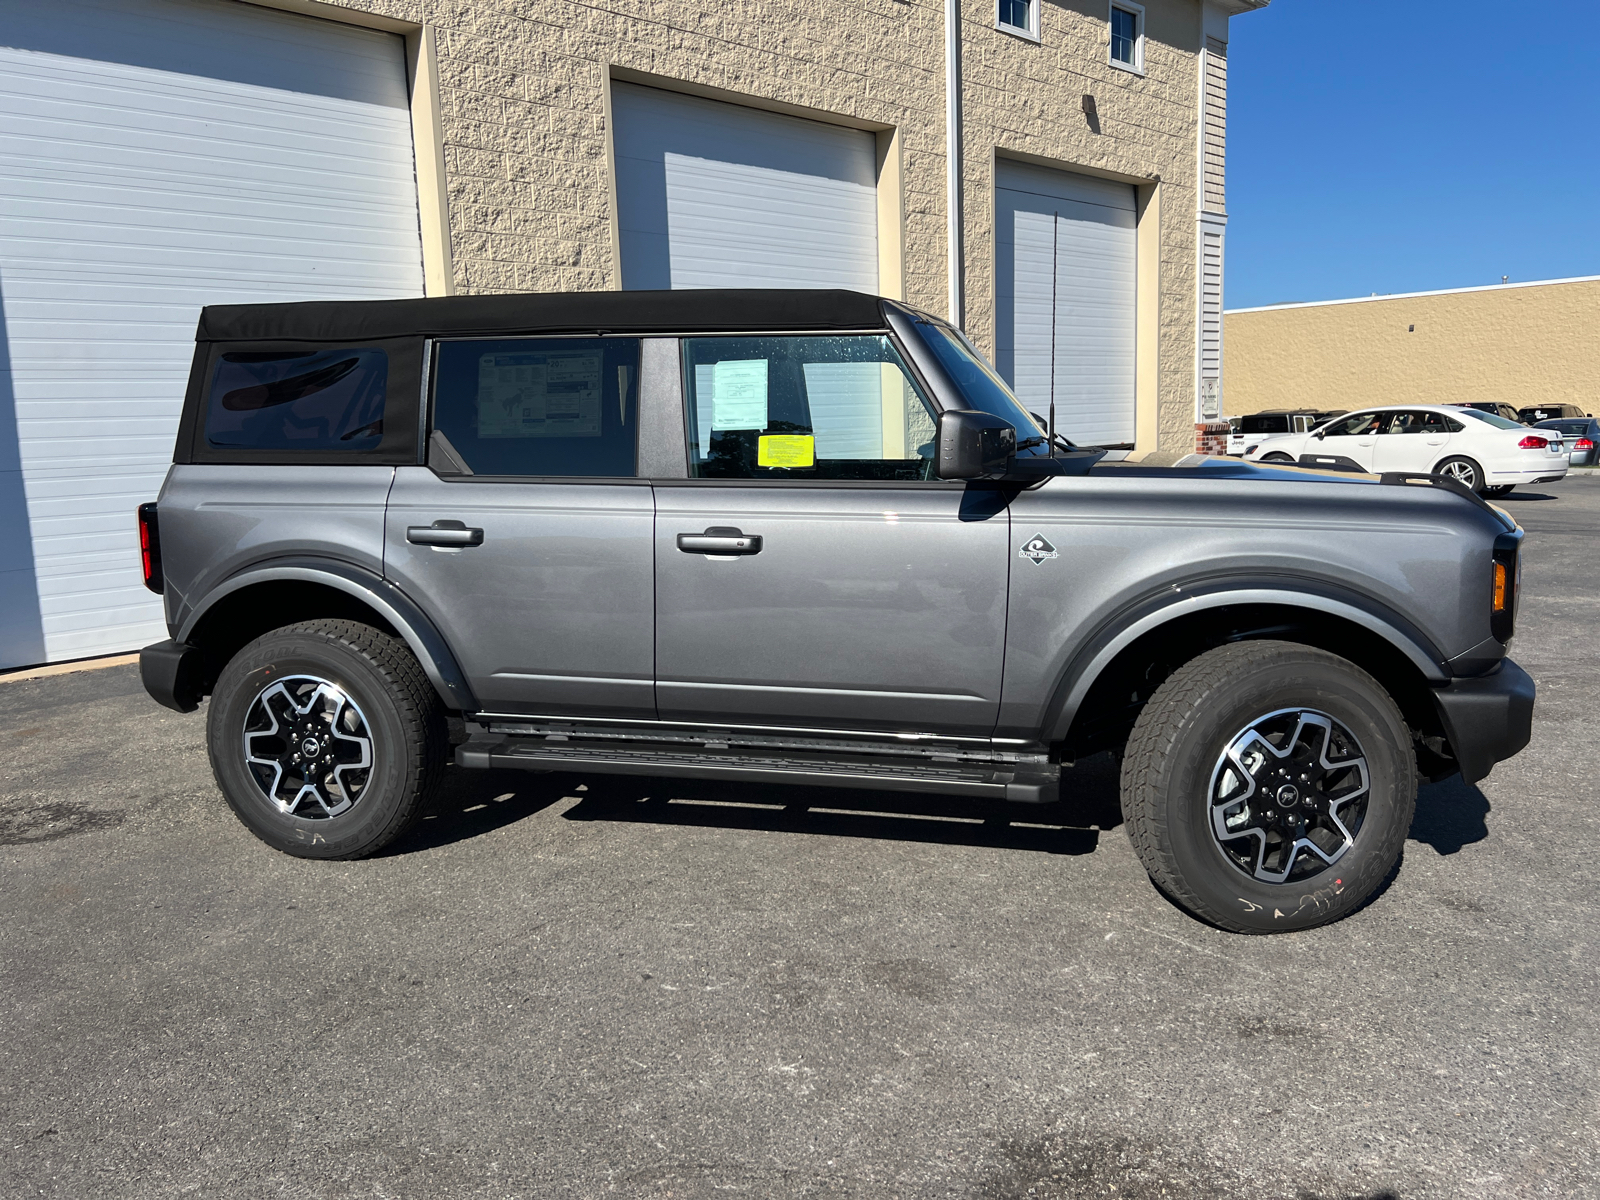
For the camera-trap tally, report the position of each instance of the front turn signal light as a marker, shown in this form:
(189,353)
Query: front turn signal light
(1500,593)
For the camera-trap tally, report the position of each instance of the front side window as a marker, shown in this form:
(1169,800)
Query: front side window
(1127,36)
(298,400)
(842,407)
(1018,16)
(539,406)
(1356,425)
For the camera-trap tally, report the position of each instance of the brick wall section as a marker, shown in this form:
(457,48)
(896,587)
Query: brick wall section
(1211,437)
(522,84)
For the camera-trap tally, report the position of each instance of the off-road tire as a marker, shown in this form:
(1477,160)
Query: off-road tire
(1169,761)
(408,735)
(1462,461)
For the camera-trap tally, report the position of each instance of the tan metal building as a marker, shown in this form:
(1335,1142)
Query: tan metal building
(1520,343)
(1051,175)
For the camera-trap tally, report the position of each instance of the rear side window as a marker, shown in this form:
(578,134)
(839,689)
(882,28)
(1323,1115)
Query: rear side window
(298,400)
(540,406)
(1272,424)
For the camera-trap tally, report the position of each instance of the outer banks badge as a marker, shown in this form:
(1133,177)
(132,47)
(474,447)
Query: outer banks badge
(1038,549)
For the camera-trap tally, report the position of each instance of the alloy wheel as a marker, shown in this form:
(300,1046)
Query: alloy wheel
(308,747)
(1288,795)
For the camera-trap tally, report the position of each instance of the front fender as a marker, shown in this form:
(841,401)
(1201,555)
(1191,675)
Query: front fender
(1181,600)
(398,609)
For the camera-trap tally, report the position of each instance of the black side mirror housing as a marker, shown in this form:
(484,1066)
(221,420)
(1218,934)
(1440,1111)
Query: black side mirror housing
(974,445)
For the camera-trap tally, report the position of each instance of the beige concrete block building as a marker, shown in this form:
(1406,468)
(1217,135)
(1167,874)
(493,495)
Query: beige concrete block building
(1049,174)
(1523,344)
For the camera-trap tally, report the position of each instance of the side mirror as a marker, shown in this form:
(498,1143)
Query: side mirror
(1319,434)
(974,445)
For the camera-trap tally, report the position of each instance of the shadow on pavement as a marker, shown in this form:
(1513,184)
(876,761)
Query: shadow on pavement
(1450,815)
(475,803)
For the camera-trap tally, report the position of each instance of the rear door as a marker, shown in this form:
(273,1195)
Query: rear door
(1412,440)
(810,571)
(527,537)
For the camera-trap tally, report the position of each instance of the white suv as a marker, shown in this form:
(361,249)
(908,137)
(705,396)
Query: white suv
(1488,453)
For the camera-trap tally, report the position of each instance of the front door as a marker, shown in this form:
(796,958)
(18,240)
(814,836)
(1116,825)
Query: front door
(527,538)
(1349,443)
(811,572)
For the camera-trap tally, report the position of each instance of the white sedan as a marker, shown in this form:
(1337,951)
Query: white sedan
(1488,453)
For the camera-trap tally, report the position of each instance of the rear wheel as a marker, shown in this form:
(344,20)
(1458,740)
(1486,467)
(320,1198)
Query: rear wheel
(326,738)
(1269,786)
(1503,489)
(1462,470)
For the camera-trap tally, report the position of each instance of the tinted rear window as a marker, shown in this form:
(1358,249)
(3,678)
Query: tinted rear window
(540,406)
(298,400)
(1272,424)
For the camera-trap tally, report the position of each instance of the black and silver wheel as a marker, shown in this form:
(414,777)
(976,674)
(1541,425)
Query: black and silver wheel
(1278,457)
(326,738)
(1462,470)
(1269,786)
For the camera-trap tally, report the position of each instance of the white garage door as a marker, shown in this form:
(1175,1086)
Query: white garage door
(157,155)
(713,195)
(1066,245)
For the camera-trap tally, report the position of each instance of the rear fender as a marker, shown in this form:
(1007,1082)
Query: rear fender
(398,609)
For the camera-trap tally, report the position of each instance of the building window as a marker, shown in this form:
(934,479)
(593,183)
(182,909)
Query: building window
(1018,16)
(1127,36)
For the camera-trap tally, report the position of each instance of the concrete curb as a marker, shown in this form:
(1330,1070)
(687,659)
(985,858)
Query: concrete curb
(67,668)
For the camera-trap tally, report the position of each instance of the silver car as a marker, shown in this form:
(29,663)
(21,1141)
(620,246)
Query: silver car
(802,538)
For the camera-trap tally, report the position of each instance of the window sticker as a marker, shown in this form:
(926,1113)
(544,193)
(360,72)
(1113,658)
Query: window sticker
(739,394)
(536,395)
(786,450)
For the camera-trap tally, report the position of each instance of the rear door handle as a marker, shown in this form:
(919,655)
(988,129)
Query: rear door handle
(720,539)
(444,533)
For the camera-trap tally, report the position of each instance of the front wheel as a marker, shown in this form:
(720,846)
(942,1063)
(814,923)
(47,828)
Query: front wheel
(1503,489)
(1277,457)
(326,738)
(1269,786)
(1462,470)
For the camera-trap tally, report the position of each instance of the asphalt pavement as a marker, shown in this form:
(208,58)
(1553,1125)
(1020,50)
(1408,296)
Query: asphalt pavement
(569,986)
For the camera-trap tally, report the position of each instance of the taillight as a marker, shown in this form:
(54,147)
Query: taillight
(150,548)
(1532,442)
(1504,587)
(1583,444)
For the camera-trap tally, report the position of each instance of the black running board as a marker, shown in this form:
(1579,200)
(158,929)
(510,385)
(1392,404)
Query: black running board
(1022,782)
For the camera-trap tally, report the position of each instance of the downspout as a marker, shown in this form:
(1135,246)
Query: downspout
(952,144)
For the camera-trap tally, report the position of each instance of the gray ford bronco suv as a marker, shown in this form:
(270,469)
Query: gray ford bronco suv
(800,537)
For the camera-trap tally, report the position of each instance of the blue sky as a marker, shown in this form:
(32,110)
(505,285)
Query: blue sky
(1406,145)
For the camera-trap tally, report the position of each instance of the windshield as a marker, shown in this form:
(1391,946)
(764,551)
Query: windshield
(980,385)
(1489,418)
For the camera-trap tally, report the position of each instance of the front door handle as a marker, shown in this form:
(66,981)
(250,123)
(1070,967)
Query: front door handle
(720,539)
(444,533)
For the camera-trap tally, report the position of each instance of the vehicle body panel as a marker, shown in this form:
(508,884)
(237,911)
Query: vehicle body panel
(552,612)
(217,520)
(1575,431)
(866,608)
(1412,564)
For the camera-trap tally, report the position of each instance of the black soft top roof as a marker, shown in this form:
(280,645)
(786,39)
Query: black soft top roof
(688,311)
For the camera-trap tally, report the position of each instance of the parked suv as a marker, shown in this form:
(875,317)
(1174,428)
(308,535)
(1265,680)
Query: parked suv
(799,537)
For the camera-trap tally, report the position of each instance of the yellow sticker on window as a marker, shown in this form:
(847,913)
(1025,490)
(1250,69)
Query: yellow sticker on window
(786,450)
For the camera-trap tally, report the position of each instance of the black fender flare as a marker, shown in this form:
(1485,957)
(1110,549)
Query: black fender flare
(1155,609)
(403,613)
